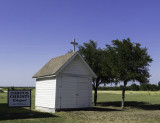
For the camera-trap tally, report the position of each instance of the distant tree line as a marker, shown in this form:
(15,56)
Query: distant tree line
(135,87)
(18,88)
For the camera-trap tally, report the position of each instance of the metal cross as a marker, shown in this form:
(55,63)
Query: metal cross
(74,44)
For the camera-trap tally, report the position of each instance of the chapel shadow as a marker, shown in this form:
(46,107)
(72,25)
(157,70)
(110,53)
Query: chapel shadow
(102,109)
(21,113)
(132,104)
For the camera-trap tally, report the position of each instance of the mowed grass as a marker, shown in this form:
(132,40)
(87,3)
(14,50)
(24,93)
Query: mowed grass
(141,107)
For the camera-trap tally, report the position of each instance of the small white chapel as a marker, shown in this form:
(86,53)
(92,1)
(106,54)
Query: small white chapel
(65,82)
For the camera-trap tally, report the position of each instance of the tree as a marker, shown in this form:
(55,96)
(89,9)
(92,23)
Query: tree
(95,56)
(130,63)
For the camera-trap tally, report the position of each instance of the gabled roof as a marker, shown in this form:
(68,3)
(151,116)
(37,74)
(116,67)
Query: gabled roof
(57,64)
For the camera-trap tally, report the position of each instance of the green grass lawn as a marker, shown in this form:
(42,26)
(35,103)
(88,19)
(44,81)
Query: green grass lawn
(141,107)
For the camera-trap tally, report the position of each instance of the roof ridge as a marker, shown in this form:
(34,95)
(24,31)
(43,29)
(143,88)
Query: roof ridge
(64,55)
(54,65)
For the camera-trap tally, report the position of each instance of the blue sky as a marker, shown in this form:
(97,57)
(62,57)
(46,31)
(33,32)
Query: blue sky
(34,31)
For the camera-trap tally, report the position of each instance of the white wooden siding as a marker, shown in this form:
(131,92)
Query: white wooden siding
(45,92)
(76,67)
(90,91)
(58,89)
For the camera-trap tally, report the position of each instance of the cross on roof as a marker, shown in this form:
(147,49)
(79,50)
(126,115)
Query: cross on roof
(74,44)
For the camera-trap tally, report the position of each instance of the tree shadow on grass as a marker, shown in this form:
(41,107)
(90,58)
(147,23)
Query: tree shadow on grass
(21,113)
(132,104)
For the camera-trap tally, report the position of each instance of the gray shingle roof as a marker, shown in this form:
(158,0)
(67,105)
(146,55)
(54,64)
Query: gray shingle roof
(54,65)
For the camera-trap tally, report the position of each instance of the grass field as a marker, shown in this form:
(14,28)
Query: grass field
(141,107)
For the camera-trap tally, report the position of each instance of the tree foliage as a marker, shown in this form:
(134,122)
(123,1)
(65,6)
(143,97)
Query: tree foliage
(95,56)
(123,61)
(129,62)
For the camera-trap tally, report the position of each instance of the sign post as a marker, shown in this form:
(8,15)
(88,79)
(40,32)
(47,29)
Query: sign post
(19,98)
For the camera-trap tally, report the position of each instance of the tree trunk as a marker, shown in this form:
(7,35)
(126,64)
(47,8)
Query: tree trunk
(95,96)
(123,94)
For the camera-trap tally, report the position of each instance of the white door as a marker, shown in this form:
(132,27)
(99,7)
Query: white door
(82,92)
(74,92)
(68,92)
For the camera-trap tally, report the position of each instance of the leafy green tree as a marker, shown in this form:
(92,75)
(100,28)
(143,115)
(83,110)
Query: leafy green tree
(107,57)
(130,63)
(95,56)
